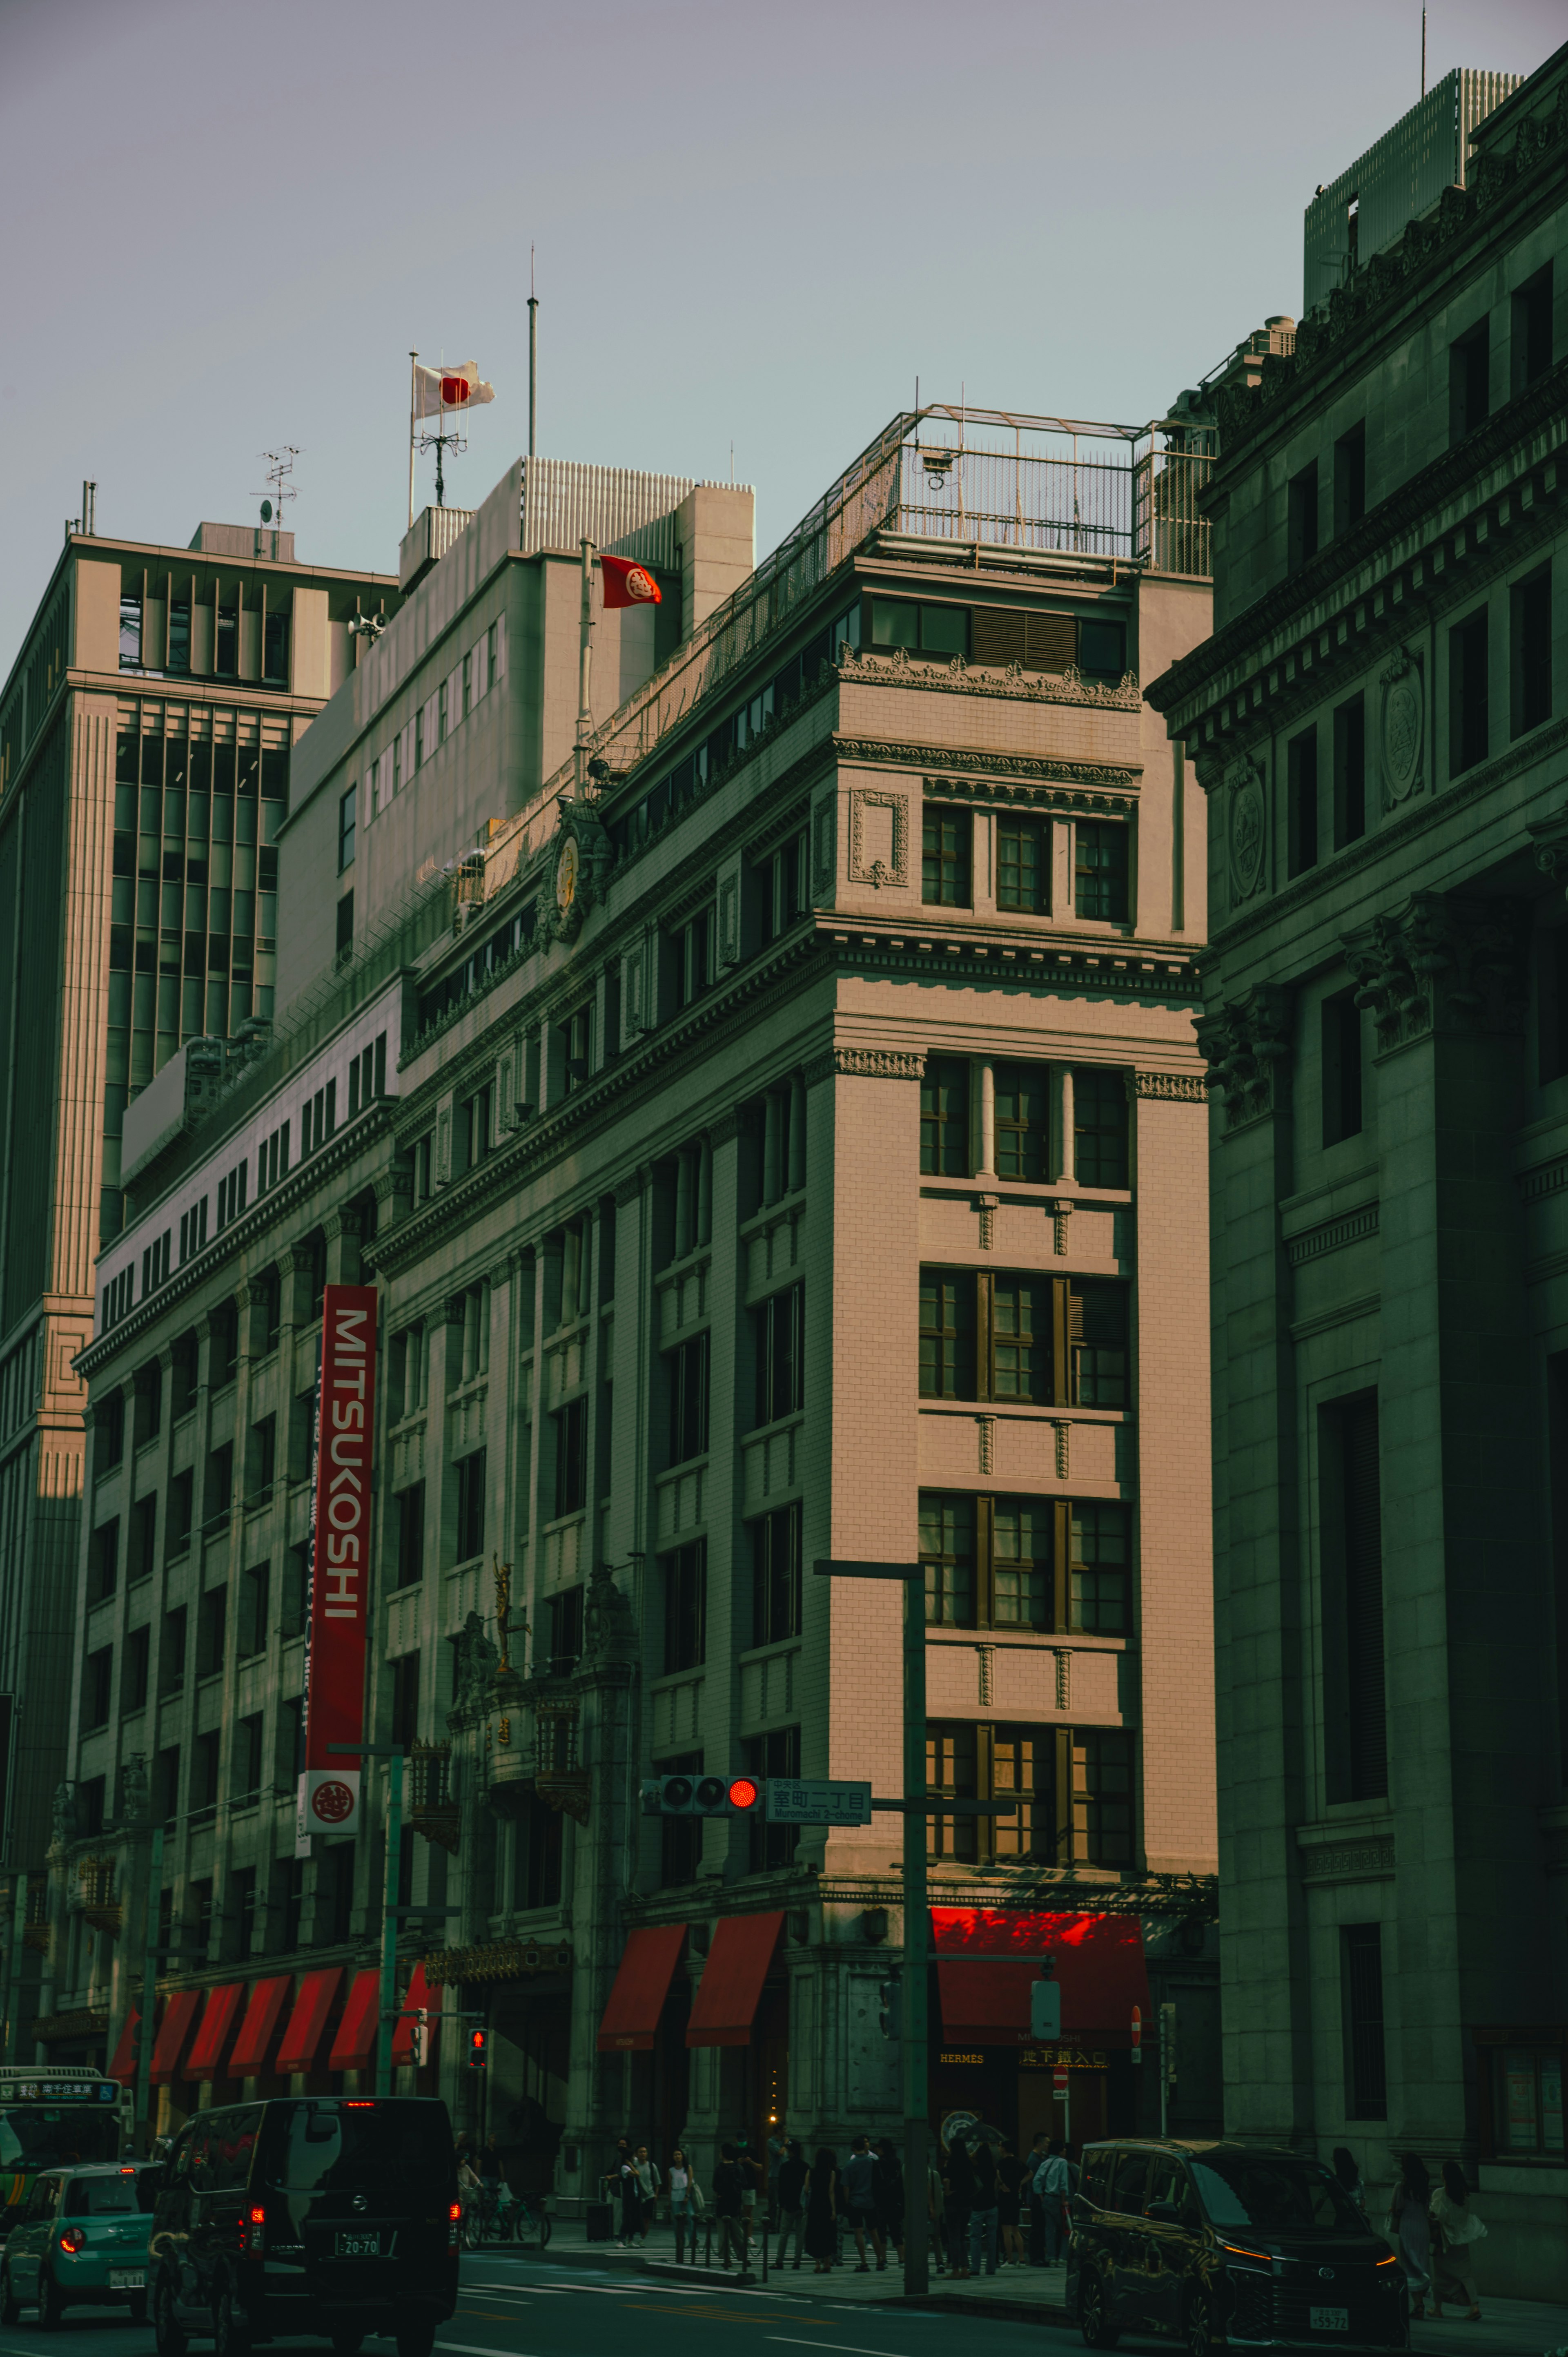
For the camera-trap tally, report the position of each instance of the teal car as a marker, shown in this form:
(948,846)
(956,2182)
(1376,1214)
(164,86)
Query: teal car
(82,2242)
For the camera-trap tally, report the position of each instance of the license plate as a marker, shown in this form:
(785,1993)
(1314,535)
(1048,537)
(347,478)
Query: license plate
(1329,2320)
(127,2279)
(366,2245)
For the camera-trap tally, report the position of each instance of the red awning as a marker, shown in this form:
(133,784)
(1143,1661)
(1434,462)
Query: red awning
(420,1993)
(647,1969)
(726,2004)
(217,2028)
(124,2066)
(259,2027)
(354,2048)
(308,2022)
(1100,1969)
(174,2031)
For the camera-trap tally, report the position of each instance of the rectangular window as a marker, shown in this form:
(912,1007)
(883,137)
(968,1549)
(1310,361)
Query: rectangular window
(256,1601)
(564,1632)
(1341,1069)
(944,1117)
(470,1471)
(97,1688)
(345,933)
(131,627)
(1023,865)
(932,631)
(1023,1562)
(686,1604)
(772,1848)
(953,1763)
(695,957)
(1468,715)
(274,647)
(686,1385)
(410,1505)
(171,1654)
(779,1329)
(419,740)
(1100,872)
(217,1497)
(1349,773)
(1100,1827)
(166,1790)
(1470,381)
(1529,649)
(1015,1315)
(574,1039)
(1300,798)
(226,649)
(181,1514)
(1527,2101)
(1096,1318)
(103,1562)
(203,1801)
(1361,2003)
(492,655)
(948,1559)
(1349,478)
(141,1558)
(1101,646)
(468,684)
(945,853)
(1529,331)
(947,1333)
(1099,1126)
(347,808)
(572,1456)
(179,633)
(138,1655)
(1356,1706)
(1301,518)
(211,1629)
(1021,1096)
(1099,1570)
(776,1575)
(406,1699)
(442,723)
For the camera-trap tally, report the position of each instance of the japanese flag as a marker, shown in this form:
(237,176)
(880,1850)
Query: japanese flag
(449,388)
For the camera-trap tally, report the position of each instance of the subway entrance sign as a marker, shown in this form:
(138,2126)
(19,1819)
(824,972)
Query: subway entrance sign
(816,1800)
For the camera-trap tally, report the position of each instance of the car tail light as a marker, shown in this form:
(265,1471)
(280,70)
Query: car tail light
(253,2230)
(1393,2260)
(454,2219)
(72,2239)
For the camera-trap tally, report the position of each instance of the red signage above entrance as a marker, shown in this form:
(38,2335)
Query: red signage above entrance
(339,1564)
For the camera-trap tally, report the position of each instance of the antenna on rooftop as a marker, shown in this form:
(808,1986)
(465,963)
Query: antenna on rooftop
(1424,53)
(280,467)
(532,351)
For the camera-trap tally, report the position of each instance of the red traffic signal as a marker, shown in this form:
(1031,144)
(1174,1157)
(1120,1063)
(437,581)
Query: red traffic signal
(743,1793)
(479,2049)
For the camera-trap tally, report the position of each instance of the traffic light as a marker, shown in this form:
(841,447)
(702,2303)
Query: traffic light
(1169,2043)
(479,2049)
(701,1796)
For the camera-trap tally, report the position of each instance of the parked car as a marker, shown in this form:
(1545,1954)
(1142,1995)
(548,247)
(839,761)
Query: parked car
(335,2216)
(1226,2243)
(80,2241)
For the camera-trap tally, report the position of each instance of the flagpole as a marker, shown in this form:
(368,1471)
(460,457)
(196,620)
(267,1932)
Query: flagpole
(532,349)
(413,398)
(584,660)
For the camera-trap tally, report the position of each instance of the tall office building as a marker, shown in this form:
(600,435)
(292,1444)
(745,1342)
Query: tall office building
(1379,724)
(145,736)
(780,1136)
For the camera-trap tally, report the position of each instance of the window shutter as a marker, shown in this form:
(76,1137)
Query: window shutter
(998,635)
(1052,643)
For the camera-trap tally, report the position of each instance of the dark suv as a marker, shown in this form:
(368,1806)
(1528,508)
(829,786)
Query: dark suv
(1228,2245)
(309,2215)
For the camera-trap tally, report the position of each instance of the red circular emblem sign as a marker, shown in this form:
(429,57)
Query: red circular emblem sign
(332,1803)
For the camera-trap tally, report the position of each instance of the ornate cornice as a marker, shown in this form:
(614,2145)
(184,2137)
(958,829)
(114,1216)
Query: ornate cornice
(952,769)
(1012,681)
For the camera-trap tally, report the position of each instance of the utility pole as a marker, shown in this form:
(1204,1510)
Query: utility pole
(392,1913)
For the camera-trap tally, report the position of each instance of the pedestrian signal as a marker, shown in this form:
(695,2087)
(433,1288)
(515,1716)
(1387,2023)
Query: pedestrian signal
(479,2049)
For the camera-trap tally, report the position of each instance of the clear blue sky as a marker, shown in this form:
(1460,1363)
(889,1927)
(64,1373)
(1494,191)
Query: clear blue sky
(225,226)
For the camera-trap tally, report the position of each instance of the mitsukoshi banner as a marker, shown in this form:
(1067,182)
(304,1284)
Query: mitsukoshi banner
(339,1564)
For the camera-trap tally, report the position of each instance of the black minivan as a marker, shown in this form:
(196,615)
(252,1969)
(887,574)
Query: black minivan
(1228,2245)
(331,2215)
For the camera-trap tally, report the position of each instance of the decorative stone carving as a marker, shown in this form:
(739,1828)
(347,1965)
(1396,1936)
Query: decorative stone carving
(1064,1448)
(987,1425)
(987,1206)
(64,1813)
(1439,962)
(898,670)
(729,920)
(135,1805)
(1064,1678)
(1246,828)
(581,858)
(985,1654)
(878,871)
(1062,1212)
(1176,1088)
(610,1638)
(476,1663)
(725,1127)
(878,1064)
(627,1190)
(1246,1048)
(1402,729)
(825,827)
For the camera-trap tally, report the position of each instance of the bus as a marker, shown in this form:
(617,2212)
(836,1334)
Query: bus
(50,2119)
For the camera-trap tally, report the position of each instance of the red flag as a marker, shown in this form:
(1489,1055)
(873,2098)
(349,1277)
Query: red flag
(626,584)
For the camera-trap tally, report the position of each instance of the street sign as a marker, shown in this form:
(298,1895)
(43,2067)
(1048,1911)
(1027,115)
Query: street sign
(1137,2033)
(1058,2084)
(817,1801)
(1045,2009)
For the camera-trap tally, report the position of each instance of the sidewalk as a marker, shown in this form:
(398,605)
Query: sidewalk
(1509,2328)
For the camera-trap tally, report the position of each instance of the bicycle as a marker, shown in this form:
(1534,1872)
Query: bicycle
(504,2217)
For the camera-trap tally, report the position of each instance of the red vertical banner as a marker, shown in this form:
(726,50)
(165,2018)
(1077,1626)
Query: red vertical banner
(339,1563)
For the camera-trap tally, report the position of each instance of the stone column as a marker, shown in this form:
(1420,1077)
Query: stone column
(1264,1766)
(1064,1156)
(341,1229)
(1466,1604)
(984,1073)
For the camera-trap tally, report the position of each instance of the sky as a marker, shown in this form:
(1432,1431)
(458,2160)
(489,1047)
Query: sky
(755,227)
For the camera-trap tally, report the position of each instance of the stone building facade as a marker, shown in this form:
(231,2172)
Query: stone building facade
(145,735)
(1378,723)
(778,1134)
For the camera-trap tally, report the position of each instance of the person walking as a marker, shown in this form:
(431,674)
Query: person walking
(937,2228)
(648,2180)
(1409,2228)
(1349,2176)
(685,2203)
(821,2194)
(860,2191)
(789,2185)
(1458,2230)
(983,2217)
(1009,2177)
(728,2191)
(1034,2161)
(750,2187)
(958,2203)
(1053,2182)
(774,2150)
(887,2187)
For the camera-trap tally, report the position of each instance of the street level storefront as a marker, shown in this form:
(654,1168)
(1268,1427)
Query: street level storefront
(737,2014)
